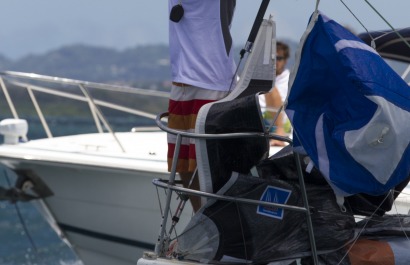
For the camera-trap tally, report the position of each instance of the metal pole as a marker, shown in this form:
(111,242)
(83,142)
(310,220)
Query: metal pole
(159,246)
(306,204)
(91,101)
(39,113)
(8,98)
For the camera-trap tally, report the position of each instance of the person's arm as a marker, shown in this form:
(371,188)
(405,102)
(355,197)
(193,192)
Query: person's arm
(273,104)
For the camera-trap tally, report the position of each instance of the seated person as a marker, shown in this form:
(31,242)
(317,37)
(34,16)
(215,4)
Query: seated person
(272,101)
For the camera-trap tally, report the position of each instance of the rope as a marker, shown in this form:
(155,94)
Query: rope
(400,222)
(358,20)
(361,230)
(235,74)
(20,217)
(276,117)
(317,6)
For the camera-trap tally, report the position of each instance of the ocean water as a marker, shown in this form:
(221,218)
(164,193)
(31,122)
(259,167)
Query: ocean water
(27,239)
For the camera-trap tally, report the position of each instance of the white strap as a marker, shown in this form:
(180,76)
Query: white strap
(310,166)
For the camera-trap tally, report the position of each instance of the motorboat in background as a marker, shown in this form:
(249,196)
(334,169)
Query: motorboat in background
(95,181)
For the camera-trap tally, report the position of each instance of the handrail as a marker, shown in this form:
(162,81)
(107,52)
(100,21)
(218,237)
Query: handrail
(165,184)
(45,84)
(82,98)
(170,187)
(69,81)
(217,136)
(39,112)
(94,108)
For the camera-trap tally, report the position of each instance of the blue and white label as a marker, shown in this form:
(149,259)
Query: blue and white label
(275,195)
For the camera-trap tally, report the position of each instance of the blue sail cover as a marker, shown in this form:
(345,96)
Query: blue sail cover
(349,111)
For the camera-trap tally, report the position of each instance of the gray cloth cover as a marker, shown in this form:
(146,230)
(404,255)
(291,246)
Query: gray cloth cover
(248,235)
(237,112)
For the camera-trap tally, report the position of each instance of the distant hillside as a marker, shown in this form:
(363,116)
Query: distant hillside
(139,65)
(4,62)
(142,66)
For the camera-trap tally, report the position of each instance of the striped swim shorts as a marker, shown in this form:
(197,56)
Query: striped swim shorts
(184,104)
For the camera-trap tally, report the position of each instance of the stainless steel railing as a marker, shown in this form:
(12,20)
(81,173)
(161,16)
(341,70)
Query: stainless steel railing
(29,82)
(170,187)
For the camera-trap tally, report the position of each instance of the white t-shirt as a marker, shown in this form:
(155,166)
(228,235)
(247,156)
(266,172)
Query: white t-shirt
(281,83)
(201,45)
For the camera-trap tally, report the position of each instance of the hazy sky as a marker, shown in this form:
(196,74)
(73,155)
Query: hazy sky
(37,26)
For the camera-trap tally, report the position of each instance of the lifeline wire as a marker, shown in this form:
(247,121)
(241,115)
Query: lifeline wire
(358,20)
(276,117)
(380,15)
(373,43)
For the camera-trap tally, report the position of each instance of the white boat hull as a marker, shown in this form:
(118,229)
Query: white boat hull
(108,210)
(104,212)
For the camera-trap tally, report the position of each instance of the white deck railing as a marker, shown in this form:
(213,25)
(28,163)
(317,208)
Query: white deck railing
(57,87)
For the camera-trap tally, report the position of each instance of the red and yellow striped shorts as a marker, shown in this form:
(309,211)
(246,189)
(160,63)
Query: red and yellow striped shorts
(184,104)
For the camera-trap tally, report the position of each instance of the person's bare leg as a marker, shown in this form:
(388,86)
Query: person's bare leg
(274,101)
(186,178)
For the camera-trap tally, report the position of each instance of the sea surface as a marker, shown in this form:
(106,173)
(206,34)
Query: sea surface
(25,236)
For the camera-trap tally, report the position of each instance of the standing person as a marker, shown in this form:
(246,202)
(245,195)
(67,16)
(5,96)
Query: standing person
(277,96)
(202,67)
